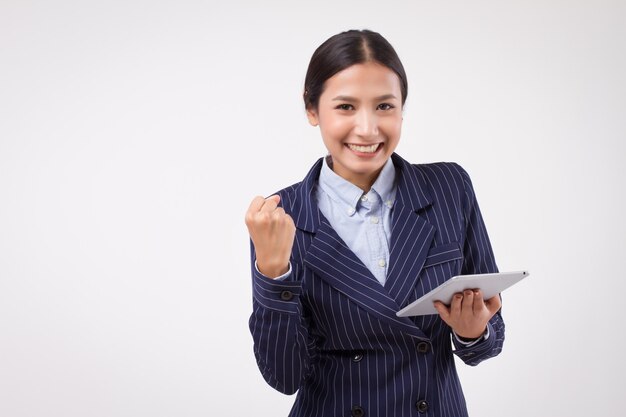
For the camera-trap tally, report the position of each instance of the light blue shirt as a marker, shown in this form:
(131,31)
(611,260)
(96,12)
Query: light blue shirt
(362,220)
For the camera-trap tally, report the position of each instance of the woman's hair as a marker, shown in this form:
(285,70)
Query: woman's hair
(344,50)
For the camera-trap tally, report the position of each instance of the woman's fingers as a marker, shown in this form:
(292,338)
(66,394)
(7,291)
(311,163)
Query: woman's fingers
(468,313)
(455,305)
(468,302)
(256,204)
(443,311)
(270,203)
(493,304)
(260,203)
(479,304)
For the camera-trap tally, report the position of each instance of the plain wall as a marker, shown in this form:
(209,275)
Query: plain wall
(133,135)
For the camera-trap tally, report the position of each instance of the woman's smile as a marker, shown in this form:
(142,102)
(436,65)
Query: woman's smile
(365,150)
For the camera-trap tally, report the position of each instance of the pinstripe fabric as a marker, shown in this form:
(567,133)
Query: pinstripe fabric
(330,331)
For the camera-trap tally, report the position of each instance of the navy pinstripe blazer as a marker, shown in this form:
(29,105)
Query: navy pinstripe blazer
(330,331)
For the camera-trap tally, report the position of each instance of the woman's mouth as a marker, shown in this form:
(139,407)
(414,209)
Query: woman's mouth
(366,149)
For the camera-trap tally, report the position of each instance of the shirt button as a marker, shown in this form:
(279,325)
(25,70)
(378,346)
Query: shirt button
(351,211)
(389,203)
(382,263)
(374,220)
(364,198)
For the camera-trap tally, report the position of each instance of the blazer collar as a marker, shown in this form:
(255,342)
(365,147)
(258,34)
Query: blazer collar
(412,191)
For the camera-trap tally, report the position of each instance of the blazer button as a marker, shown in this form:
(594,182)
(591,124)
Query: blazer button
(357,411)
(422,406)
(423,347)
(286,295)
(357,357)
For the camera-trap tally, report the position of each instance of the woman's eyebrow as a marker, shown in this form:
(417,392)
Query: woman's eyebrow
(349,98)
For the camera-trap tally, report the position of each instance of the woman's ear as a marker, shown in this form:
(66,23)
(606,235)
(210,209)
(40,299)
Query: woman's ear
(311,114)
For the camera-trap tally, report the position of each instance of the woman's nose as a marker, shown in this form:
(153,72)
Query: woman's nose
(366,124)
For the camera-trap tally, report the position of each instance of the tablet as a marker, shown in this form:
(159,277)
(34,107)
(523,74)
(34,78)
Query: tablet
(490,284)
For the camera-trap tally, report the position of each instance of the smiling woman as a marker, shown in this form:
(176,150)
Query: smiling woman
(364,234)
(360,118)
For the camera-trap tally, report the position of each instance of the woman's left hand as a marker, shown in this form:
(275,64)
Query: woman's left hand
(468,313)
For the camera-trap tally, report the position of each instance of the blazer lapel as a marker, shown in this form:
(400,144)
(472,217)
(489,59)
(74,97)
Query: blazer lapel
(337,265)
(411,234)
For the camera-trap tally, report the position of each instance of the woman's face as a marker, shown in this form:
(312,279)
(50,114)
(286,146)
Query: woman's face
(360,118)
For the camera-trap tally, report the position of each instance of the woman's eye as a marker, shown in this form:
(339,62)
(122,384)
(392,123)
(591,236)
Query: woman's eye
(344,107)
(385,106)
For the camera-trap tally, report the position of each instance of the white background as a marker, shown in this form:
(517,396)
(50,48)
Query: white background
(133,134)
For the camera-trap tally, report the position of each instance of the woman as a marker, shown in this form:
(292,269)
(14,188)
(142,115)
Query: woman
(335,256)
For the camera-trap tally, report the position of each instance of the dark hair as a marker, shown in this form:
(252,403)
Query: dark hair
(344,50)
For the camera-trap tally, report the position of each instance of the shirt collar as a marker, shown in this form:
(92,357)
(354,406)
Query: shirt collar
(343,191)
(385,184)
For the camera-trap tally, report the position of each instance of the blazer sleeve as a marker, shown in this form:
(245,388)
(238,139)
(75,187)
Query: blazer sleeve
(478,259)
(279,329)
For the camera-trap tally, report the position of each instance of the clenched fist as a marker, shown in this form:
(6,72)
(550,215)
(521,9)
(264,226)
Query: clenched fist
(272,232)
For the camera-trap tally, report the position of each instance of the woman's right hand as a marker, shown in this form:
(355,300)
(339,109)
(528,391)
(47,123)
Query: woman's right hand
(272,232)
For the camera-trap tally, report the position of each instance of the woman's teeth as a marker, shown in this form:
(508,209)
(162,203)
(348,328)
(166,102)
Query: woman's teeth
(364,149)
